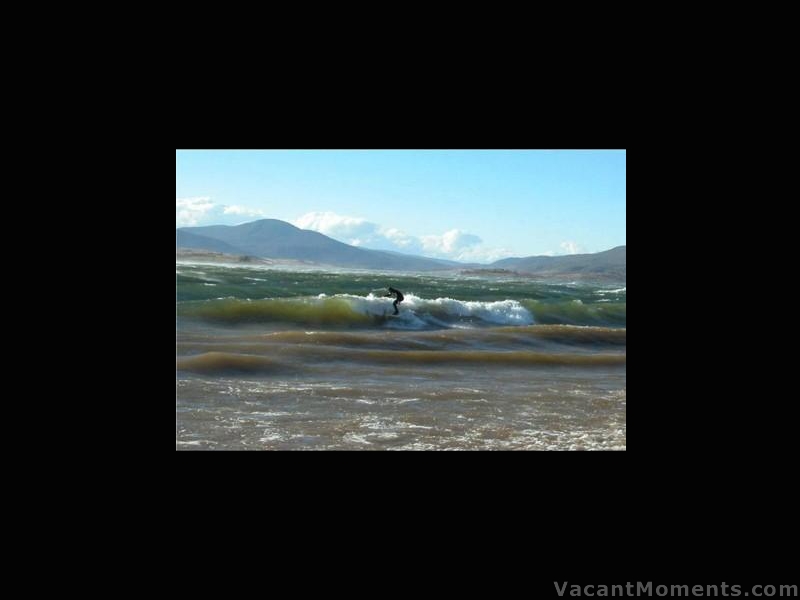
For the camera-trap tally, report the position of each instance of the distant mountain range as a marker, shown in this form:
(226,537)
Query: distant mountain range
(187,239)
(611,263)
(271,238)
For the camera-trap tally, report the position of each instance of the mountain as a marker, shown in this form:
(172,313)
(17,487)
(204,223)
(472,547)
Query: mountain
(186,239)
(610,264)
(271,238)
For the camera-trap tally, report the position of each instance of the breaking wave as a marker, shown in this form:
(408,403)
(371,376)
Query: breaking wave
(348,311)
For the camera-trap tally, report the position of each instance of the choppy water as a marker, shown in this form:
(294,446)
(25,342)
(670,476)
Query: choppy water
(272,359)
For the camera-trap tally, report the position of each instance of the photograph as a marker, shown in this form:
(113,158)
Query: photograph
(400,299)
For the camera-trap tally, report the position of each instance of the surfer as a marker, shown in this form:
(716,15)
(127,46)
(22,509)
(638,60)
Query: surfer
(398,298)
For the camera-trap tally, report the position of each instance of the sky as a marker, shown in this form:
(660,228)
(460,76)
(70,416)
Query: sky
(468,205)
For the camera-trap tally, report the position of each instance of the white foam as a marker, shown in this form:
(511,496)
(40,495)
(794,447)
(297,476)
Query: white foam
(502,312)
(418,312)
(195,442)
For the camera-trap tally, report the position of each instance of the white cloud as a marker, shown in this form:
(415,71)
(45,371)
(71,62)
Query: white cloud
(566,248)
(399,238)
(202,210)
(571,248)
(450,242)
(235,209)
(188,211)
(454,244)
(482,254)
(348,229)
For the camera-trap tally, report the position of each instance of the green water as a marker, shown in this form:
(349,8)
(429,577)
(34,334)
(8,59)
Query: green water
(271,359)
(213,290)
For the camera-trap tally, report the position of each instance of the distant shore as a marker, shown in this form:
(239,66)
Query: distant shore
(546,276)
(190,255)
(193,255)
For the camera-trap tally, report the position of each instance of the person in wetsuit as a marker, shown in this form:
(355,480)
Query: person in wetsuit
(398,298)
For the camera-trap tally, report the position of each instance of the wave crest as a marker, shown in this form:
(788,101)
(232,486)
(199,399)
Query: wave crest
(345,310)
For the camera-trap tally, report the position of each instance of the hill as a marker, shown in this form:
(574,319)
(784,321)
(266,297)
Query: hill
(271,238)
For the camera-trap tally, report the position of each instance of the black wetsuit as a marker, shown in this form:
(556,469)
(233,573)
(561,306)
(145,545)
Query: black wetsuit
(398,298)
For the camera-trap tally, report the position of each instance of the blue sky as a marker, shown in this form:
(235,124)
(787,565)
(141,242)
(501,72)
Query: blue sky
(471,205)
